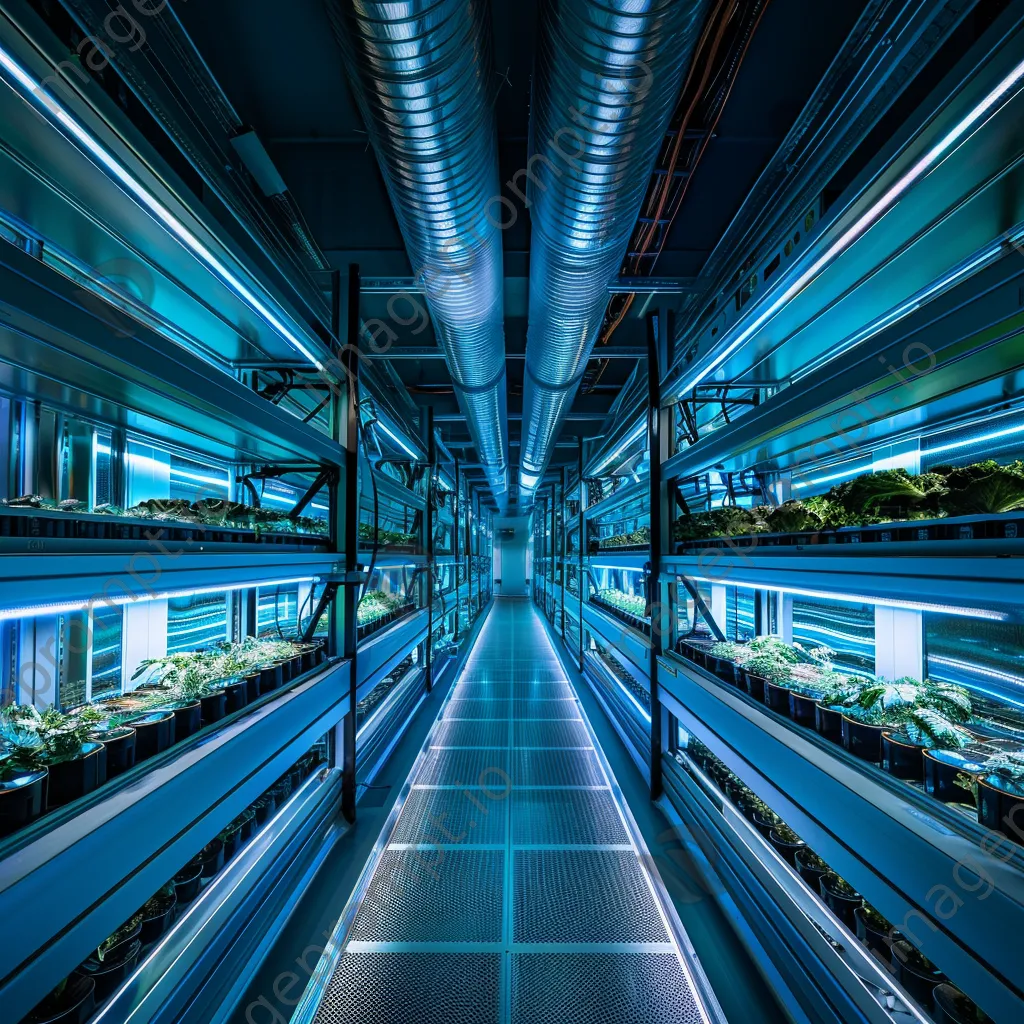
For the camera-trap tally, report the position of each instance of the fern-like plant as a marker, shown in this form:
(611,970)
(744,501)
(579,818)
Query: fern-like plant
(929,713)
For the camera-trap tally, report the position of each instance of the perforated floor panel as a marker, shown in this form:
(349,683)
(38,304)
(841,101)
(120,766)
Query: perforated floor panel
(509,889)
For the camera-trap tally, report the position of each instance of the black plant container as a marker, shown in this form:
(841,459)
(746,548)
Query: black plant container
(75,1005)
(187,882)
(723,668)
(271,678)
(1000,807)
(777,698)
(877,940)
(120,746)
(22,800)
(839,903)
(953,1007)
(828,722)
(692,652)
(862,740)
(188,719)
(232,839)
(941,768)
(754,685)
(785,849)
(919,979)
(236,694)
(264,808)
(115,953)
(808,872)
(72,779)
(247,826)
(110,972)
(763,825)
(155,926)
(154,733)
(253,688)
(901,758)
(802,709)
(214,707)
(212,856)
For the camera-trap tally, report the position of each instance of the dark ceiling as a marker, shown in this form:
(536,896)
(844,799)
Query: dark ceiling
(282,70)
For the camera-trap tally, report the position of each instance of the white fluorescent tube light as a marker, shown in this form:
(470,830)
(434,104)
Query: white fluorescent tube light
(634,436)
(867,220)
(885,602)
(35,93)
(60,607)
(394,437)
(833,476)
(1009,431)
(620,568)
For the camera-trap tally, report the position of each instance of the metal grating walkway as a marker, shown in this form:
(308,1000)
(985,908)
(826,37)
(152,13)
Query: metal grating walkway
(508,888)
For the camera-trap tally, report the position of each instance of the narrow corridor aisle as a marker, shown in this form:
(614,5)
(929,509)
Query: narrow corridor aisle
(508,886)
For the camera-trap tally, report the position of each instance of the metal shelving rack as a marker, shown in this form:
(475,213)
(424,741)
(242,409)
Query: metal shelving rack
(756,403)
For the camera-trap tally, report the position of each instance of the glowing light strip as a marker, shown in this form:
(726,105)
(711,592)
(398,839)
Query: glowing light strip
(635,436)
(620,568)
(974,440)
(106,601)
(832,476)
(394,437)
(974,669)
(865,221)
(885,602)
(34,91)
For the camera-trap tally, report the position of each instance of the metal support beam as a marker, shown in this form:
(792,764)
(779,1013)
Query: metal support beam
(350,365)
(427,419)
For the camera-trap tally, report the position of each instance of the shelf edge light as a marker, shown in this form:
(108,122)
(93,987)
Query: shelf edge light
(636,434)
(885,602)
(61,607)
(394,437)
(867,220)
(37,95)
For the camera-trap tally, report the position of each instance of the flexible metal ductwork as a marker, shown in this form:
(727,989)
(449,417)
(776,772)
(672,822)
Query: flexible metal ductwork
(422,76)
(607,79)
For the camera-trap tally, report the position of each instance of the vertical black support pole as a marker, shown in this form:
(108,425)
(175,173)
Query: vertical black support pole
(561,551)
(456,530)
(428,546)
(350,533)
(659,331)
(580,583)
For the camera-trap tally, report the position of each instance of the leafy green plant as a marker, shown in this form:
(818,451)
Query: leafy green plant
(985,488)
(786,835)
(119,936)
(929,713)
(47,737)
(629,603)
(840,885)
(874,920)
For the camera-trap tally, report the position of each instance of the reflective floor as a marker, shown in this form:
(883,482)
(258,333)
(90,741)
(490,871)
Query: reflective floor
(509,888)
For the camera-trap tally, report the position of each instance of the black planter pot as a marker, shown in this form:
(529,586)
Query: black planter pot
(296,777)
(808,872)
(271,678)
(862,740)
(109,973)
(231,838)
(213,707)
(154,733)
(941,767)
(762,824)
(691,652)
(829,723)
(72,779)
(120,747)
(876,939)
(247,827)
(839,903)
(236,694)
(282,791)
(187,882)
(22,800)
(1000,807)
(951,1006)
(802,709)
(115,953)
(264,809)
(785,849)
(156,925)
(777,698)
(901,758)
(754,685)
(919,980)
(212,856)
(75,1005)
(188,719)
(723,668)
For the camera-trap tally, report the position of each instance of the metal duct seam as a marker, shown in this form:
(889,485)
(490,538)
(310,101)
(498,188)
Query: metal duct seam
(422,77)
(607,79)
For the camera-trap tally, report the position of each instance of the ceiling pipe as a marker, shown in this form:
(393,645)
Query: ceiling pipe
(606,82)
(422,78)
